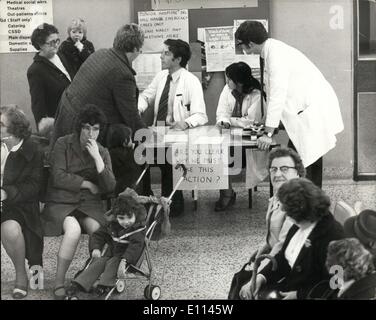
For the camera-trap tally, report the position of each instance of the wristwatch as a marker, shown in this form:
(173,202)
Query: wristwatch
(269,134)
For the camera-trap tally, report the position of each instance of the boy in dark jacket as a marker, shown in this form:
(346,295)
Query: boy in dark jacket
(124,235)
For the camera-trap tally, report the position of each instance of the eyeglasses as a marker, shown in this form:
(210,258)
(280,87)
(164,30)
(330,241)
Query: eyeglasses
(53,43)
(283,169)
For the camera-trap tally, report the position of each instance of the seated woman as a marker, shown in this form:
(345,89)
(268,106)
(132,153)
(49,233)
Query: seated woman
(301,261)
(81,172)
(21,177)
(357,268)
(239,104)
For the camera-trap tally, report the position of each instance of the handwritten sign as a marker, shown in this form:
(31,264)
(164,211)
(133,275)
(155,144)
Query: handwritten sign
(207,166)
(18,19)
(219,48)
(161,25)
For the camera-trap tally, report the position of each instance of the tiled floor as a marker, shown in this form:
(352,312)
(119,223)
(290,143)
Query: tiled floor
(204,249)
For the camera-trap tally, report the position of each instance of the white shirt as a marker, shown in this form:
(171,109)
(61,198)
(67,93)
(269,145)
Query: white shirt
(4,156)
(57,62)
(171,94)
(296,244)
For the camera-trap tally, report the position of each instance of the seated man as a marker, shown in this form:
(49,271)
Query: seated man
(178,102)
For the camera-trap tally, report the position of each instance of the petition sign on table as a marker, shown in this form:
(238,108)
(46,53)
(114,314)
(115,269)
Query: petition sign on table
(207,166)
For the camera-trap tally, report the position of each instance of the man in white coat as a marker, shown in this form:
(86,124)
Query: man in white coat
(298,96)
(174,98)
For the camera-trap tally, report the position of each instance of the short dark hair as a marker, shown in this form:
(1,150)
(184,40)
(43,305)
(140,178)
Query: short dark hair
(251,31)
(287,152)
(117,135)
(129,37)
(41,33)
(92,115)
(19,125)
(303,201)
(179,49)
(127,205)
(240,72)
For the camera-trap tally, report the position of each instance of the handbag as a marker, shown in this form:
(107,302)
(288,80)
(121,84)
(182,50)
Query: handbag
(241,278)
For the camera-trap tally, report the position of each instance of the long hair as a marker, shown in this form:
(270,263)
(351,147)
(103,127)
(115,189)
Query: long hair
(241,73)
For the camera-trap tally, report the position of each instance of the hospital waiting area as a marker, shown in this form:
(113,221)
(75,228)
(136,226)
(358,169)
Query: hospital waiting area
(315,170)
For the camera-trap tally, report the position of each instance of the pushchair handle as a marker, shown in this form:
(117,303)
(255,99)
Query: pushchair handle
(183,167)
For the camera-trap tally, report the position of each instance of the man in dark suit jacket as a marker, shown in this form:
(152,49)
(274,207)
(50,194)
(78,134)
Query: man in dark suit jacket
(105,79)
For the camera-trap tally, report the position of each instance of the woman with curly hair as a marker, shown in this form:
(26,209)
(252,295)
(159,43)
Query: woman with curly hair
(81,172)
(359,276)
(301,261)
(21,177)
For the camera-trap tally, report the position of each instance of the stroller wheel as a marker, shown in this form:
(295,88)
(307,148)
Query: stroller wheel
(120,286)
(153,293)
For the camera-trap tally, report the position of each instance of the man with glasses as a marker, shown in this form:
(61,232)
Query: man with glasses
(298,96)
(105,79)
(284,164)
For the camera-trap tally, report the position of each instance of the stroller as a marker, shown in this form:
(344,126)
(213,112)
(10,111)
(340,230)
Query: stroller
(156,218)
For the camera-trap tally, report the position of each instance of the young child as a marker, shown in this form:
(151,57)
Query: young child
(76,48)
(121,148)
(124,235)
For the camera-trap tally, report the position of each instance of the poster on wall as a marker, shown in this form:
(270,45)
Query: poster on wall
(161,25)
(18,19)
(219,48)
(146,67)
(252,59)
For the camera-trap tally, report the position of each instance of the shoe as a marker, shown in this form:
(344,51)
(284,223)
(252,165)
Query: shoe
(225,202)
(60,296)
(19,292)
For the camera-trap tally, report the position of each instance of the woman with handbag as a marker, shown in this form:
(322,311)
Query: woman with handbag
(301,261)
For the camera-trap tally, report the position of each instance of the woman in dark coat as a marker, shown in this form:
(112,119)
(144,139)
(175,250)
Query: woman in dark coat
(76,48)
(81,173)
(21,177)
(49,74)
(353,273)
(301,261)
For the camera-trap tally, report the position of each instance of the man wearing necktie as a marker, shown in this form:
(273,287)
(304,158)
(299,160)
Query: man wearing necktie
(284,164)
(298,96)
(178,102)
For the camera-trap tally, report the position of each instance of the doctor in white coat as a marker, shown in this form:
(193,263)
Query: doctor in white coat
(298,96)
(176,98)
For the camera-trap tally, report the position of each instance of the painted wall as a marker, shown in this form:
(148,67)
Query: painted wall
(323,30)
(306,25)
(102,18)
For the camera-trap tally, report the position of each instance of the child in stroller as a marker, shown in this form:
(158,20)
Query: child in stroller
(124,235)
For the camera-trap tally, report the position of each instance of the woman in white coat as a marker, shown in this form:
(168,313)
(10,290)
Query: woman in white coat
(298,96)
(239,104)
